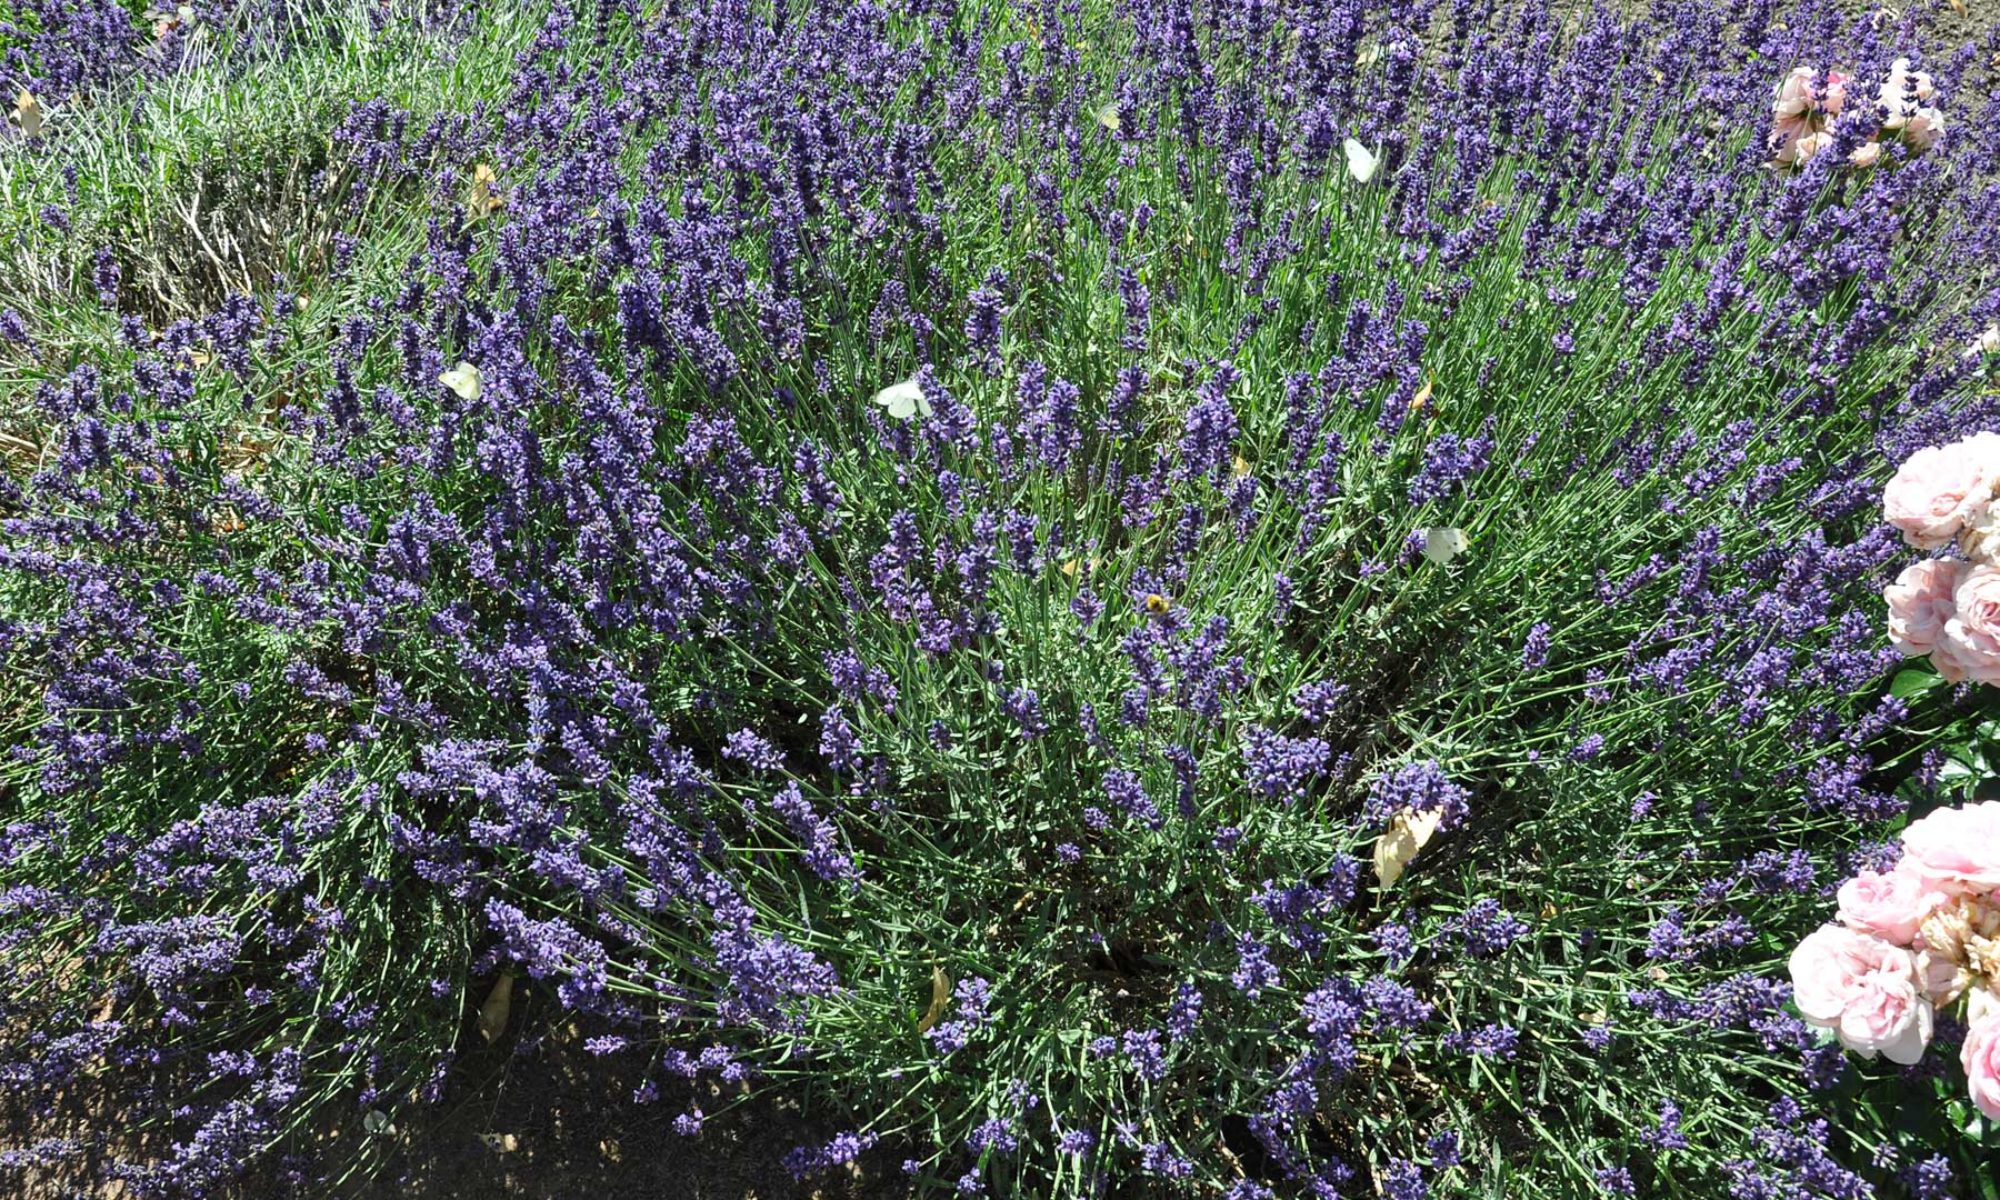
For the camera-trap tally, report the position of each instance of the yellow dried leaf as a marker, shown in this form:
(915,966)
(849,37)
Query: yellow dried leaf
(463,379)
(499,1005)
(1960,7)
(28,113)
(940,996)
(1422,397)
(1239,468)
(1407,833)
(1069,568)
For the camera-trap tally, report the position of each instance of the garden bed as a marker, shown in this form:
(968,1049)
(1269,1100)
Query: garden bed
(1138,599)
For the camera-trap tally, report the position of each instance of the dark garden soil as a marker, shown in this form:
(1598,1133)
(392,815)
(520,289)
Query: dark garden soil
(546,1121)
(558,1124)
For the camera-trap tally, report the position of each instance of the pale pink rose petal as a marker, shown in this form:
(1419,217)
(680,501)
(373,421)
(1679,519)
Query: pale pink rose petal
(1970,638)
(1823,967)
(1988,342)
(1925,127)
(1939,489)
(1886,1014)
(1889,905)
(1920,602)
(1865,989)
(1980,1056)
(1947,665)
(1811,144)
(1943,979)
(1795,92)
(1956,847)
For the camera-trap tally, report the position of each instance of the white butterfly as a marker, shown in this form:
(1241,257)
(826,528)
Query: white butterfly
(1444,543)
(904,400)
(463,379)
(1361,161)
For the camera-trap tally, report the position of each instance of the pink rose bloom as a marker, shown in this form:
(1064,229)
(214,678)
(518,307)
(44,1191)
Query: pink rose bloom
(1867,154)
(1801,110)
(1905,103)
(1956,849)
(1939,489)
(1890,1014)
(1889,906)
(1864,989)
(1979,541)
(1943,979)
(1810,145)
(1968,647)
(1981,1059)
(1795,95)
(1925,127)
(1902,93)
(1796,116)
(1920,602)
(1988,342)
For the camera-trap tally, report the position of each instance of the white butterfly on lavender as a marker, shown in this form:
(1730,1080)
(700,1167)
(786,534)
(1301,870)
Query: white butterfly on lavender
(904,400)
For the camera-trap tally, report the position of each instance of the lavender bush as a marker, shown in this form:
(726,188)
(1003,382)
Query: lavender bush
(1263,599)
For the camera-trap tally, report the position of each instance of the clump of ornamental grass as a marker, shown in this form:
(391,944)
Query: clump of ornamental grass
(1264,601)
(212,174)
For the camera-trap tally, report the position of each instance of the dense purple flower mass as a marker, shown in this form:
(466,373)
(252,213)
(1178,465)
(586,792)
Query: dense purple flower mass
(1420,787)
(888,542)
